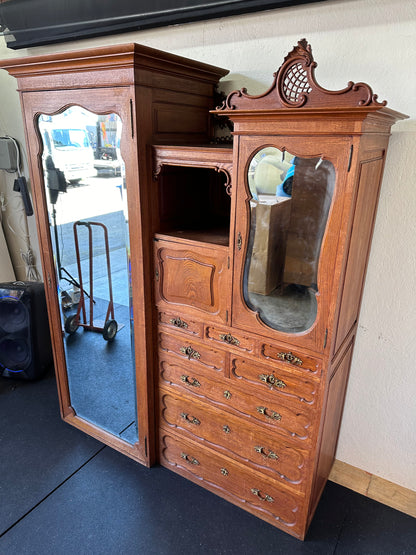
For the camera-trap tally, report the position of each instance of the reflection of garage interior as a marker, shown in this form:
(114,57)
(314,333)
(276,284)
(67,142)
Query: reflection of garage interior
(285,251)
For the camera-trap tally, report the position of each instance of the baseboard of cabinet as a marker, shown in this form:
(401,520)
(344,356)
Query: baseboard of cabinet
(374,487)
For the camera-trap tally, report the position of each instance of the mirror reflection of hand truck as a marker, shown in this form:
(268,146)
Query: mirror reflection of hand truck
(73,322)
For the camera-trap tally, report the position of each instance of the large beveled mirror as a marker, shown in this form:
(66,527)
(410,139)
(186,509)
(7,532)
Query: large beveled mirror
(289,206)
(86,198)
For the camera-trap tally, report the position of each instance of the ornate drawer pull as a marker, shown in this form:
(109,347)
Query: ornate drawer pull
(228,338)
(273,415)
(290,357)
(189,459)
(269,455)
(270,379)
(190,353)
(266,497)
(227,394)
(226,429)
(190,381)
(190,419)
(178,323)
(224,472)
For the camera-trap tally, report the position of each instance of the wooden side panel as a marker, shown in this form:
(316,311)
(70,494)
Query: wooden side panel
(369,178)
(332,420)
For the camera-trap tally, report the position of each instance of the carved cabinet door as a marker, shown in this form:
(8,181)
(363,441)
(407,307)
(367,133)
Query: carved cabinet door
(290,218)
(194,279)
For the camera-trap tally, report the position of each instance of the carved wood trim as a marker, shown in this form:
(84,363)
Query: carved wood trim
(215,158)
(295,86)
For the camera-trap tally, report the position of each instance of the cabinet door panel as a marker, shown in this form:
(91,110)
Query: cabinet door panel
(288,224)
(194,278)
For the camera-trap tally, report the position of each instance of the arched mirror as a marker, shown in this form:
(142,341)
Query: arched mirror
(86,197)
(291,198)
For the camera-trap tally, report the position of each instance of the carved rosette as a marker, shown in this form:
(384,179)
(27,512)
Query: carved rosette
(294,86)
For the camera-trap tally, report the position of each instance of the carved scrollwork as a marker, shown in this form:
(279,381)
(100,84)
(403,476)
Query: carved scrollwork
(294,85)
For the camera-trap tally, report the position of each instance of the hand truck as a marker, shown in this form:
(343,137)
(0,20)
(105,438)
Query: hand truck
(73,322)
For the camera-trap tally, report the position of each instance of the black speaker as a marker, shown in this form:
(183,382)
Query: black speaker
(25,343)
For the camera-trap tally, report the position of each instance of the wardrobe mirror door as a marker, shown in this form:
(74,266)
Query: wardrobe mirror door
(290,201)
(86,197)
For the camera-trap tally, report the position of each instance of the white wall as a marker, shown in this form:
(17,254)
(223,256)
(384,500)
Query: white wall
(357,40)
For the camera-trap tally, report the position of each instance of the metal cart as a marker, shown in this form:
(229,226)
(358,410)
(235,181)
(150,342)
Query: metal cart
(73,322)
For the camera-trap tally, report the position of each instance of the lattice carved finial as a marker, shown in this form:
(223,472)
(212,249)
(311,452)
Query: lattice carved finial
(294,85)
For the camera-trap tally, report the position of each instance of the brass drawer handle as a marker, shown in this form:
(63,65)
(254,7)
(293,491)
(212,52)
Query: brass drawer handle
(189,459)
(265,497)
(190,353)
(273,415)
(190,381)
(226,429)
(291,358)
(270,379)
(269,455)
(190,419)
(228,338)
(178,322)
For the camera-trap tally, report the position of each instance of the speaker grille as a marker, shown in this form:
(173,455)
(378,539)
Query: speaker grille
(14,315)
(16,353)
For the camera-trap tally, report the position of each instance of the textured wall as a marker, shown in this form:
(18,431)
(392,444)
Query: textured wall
(371,41)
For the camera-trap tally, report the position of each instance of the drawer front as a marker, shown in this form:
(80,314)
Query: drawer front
(235,437)
(177,321)
(231,339)
(291,359)
(277,382)
(193,353)
(277,416)
(232,481)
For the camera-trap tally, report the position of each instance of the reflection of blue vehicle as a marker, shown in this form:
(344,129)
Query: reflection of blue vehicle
(285,188)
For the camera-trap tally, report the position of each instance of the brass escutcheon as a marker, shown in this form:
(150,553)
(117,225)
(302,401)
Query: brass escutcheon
(228,338)
(224,472)
(227,394)
(270,379)
(226,429)
(290,357)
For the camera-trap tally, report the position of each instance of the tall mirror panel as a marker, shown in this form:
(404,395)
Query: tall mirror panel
(86,198)
(289,206)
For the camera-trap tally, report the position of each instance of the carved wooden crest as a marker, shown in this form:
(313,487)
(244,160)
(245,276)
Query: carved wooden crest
(294,86)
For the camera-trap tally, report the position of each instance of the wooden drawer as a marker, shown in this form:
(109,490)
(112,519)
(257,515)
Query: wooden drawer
(291,359)
(193,353)
(177,321)
(275,415)
(230,339)
(242,486)
(277,382)
(235,437)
